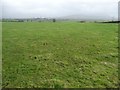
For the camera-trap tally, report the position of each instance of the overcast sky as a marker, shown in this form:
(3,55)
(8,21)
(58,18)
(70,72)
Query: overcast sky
(59,8)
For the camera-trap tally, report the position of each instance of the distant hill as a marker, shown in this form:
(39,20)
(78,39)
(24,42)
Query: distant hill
(87,17)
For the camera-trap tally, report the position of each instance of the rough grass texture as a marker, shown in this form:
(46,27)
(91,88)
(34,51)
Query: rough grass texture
(60,55)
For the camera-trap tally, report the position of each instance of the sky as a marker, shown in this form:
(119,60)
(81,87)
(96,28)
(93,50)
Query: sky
(60,8)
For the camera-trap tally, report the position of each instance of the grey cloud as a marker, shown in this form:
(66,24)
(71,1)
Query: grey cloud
(58,8)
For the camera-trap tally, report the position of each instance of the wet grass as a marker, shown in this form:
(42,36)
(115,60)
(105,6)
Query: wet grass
(60,55)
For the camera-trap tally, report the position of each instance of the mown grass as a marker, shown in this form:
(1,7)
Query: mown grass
(60,55)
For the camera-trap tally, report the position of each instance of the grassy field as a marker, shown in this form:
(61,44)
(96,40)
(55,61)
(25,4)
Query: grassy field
(60,55)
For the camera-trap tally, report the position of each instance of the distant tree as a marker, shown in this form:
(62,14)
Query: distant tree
(54,20)
(82,21)
(20,20)
(95,21)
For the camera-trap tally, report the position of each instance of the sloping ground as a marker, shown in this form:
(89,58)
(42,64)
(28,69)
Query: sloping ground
(60,55)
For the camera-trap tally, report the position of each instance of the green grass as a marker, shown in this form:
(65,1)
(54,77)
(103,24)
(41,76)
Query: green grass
(60,55)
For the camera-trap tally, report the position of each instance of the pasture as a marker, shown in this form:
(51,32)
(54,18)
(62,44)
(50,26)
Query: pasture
(59,55)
